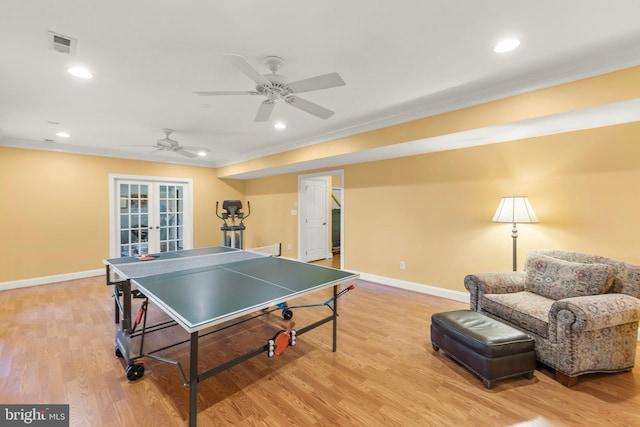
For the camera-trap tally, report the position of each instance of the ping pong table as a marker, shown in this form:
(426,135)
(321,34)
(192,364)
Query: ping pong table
(201,288)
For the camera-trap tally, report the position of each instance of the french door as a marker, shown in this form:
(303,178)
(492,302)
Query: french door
(150,217)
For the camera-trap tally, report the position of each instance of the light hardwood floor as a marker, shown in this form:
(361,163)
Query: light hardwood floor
(57,346)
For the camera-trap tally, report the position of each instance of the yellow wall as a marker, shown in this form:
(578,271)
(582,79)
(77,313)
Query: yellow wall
(55,209)
(434,211)
(271,221)
(599,90)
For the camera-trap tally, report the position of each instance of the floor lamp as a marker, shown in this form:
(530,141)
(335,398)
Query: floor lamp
(515,210)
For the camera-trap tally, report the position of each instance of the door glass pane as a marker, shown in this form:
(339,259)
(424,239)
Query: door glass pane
(171,205)
(132,229)
(144,235)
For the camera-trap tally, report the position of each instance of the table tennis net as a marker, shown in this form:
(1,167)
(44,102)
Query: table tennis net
(160,266)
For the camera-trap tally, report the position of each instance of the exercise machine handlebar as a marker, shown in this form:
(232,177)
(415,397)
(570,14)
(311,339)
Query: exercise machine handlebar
(232,209)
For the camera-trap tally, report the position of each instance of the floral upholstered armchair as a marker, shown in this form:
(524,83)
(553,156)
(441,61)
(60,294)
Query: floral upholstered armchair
(582,310)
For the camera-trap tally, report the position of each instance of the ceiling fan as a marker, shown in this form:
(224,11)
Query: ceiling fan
(168,144)
(275,87)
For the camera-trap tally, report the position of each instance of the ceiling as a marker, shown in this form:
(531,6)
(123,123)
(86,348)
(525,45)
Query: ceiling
(400,61)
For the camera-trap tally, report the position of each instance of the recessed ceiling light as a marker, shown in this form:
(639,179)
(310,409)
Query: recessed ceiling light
(280,125)
(63,134)
(202,153)
(506,45)
(80,72)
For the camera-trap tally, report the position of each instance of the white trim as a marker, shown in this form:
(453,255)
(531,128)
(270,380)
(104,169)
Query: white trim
(423,289)
(417,287)
(402,284)
(45,280)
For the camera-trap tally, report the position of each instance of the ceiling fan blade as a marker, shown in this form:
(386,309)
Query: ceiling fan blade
(264,112)
(225,92)
(191,148)
(325,81)
(309,107)
(138,145)
(185,153)
(241,64)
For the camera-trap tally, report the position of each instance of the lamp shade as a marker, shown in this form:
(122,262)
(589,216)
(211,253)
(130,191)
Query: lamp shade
(516,210)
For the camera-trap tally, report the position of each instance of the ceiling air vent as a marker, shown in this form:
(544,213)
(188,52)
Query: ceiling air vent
(62,44)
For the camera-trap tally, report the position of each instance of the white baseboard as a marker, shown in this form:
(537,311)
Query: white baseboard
(402,284)
(418,287)
(425,289)
(49,279)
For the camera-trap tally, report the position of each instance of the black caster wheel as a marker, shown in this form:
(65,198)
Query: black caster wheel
(118,352)
(287,314)
(135,372)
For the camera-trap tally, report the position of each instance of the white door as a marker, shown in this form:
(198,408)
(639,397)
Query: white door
(315,211)
(150,217)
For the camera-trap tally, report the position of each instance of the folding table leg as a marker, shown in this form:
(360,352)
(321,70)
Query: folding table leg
(193,381)
(335,318)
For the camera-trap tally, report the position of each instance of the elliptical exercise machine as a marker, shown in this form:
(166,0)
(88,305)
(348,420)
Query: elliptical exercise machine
(232,233)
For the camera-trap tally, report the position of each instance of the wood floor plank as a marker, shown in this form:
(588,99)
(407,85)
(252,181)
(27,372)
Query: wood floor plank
(57,346)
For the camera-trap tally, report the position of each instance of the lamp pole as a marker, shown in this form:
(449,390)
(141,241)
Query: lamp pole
(514,234)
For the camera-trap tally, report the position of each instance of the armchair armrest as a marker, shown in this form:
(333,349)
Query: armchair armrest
(594,312)
(492,283)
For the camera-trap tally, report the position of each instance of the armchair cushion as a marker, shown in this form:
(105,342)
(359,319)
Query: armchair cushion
(627,276)
(558,279)
(523,309)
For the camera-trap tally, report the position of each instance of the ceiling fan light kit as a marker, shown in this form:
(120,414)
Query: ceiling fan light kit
(275,87)
(168,144)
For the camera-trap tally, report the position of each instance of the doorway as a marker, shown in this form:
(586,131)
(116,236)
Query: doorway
(321,216)
(149,215)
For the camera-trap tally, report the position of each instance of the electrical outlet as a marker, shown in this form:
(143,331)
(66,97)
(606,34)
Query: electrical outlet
(402,265)
(288,246)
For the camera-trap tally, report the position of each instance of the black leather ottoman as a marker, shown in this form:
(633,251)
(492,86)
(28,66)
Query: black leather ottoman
(488,348)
